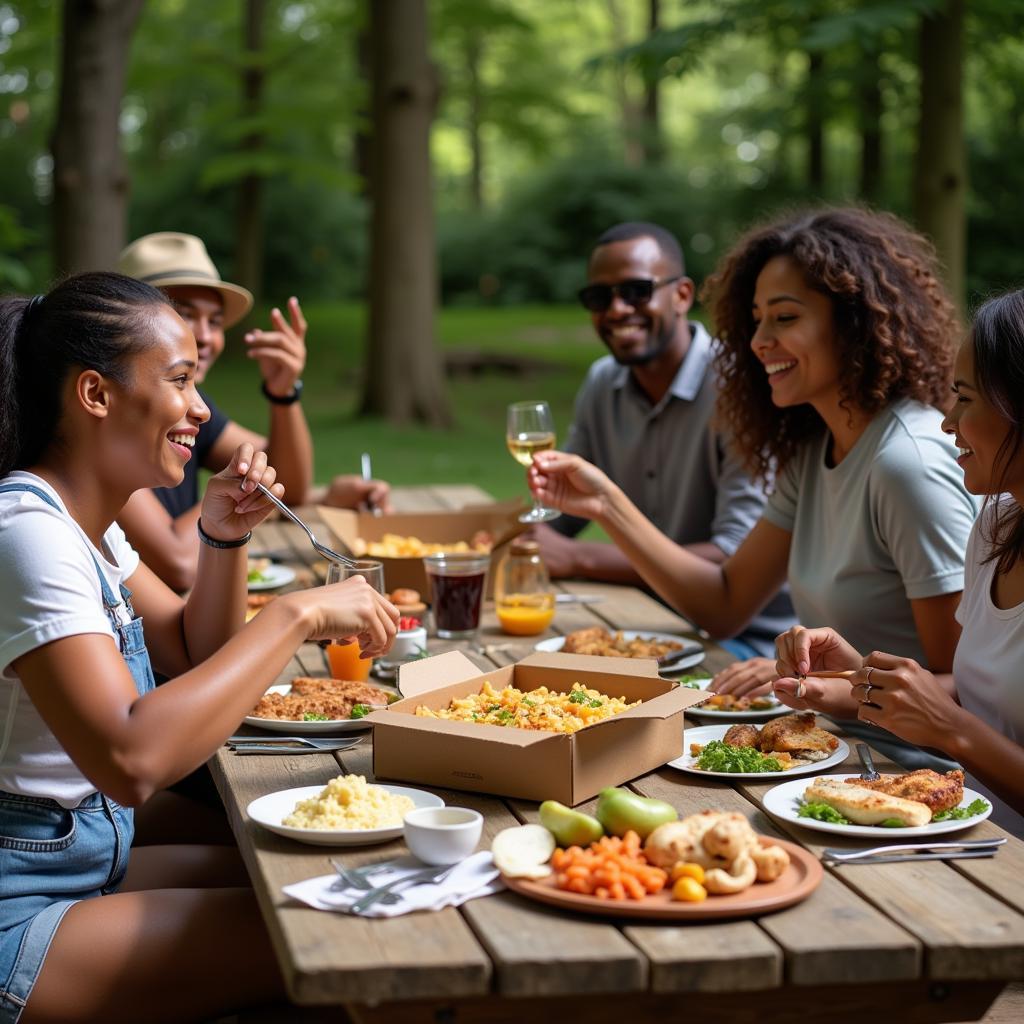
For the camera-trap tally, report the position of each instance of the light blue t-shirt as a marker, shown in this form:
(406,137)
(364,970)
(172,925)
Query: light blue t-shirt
(888,525)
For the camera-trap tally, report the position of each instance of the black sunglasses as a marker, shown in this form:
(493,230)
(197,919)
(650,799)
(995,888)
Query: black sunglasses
(634,292)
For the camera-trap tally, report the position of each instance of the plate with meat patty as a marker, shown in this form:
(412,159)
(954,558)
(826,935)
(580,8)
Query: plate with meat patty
(742,751)
(629,643)
(920,803)
(312,705)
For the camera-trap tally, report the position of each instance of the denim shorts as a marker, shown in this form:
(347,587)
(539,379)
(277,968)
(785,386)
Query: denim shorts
(51,857)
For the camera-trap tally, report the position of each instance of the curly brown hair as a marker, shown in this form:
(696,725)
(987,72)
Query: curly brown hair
(896,328)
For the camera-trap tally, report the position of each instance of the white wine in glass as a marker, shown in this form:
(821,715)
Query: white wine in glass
(531,429)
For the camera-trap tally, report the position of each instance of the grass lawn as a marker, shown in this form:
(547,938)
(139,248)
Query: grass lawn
(474,450)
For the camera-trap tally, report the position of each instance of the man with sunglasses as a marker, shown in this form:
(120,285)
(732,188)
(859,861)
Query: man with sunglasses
(643,416)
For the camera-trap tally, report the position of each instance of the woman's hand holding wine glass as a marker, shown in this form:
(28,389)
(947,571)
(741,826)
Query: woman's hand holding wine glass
(530,428)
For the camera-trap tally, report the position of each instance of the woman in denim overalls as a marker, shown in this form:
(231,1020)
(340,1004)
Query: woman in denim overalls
(97,399)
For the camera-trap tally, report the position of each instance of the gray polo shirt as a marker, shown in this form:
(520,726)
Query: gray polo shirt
(672,463)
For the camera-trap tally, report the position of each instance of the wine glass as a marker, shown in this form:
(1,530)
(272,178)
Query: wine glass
(530,429)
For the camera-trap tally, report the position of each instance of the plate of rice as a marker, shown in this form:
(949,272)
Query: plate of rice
(347,811)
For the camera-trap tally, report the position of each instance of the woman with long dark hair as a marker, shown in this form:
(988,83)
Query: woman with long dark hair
(97,400)
(837,344)
(977,716)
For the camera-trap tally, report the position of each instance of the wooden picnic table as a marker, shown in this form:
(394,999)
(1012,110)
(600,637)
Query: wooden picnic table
(915,942)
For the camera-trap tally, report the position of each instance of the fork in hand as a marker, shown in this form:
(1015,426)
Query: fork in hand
(322,549)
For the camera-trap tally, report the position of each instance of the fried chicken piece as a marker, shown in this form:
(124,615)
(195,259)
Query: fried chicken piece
(866,806)
(797,734)
(741,736)
(594,636)
(936,791)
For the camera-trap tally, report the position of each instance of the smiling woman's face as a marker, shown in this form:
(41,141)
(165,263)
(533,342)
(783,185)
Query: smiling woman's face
(794,336)
(156,415)
(980,432)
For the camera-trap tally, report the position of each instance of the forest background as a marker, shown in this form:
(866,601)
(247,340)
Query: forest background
(428,177)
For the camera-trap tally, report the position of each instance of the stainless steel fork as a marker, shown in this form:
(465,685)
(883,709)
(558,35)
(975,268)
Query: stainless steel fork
(322,549)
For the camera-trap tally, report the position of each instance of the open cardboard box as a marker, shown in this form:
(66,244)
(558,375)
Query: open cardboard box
(499,519)
(523,763)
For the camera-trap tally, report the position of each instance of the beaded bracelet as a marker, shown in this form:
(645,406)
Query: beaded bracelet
(214,543)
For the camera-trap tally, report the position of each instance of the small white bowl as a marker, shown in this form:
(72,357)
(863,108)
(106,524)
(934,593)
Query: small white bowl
(408,644)
(442,835)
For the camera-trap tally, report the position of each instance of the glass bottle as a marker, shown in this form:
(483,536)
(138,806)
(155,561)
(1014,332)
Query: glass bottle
(523,598)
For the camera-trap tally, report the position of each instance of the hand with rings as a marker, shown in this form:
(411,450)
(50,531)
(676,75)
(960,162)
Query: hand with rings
(868,686)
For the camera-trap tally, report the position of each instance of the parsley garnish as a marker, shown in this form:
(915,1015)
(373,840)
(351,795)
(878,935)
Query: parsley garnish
(360,710)
(312,716)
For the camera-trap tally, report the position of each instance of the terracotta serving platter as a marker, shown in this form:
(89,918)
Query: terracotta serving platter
(798,881)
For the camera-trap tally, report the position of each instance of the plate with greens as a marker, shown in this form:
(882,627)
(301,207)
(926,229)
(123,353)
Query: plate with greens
(787,803)
(266,575)
(728,762)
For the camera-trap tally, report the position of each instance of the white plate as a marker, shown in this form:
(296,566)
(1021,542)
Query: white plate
(783,801)
(706,733)
(700,711)
(274,576)
(556,643)
(270,810)
(333,726)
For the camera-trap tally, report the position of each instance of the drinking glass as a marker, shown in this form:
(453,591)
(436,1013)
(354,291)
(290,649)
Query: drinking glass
(457,592)
(530,429)
(344,659)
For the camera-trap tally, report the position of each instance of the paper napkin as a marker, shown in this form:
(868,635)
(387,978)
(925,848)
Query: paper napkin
(473,877)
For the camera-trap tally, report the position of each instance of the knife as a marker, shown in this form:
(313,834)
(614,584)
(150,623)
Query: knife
(259,748)
(578,598)
(964,844)
(942,855)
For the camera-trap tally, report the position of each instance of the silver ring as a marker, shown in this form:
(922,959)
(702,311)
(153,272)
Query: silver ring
(866,699)
(801,689)
(867,674)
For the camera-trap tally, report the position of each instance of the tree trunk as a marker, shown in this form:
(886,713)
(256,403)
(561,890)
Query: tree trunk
(653,145)
(940,165)
(632,126)
(90,179)
(474,52)
(362,146)
(870,125)
(249,215)
(816,123)
(403,381)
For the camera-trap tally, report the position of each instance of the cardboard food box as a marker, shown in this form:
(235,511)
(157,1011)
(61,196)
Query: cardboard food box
(530,764)
(499,519)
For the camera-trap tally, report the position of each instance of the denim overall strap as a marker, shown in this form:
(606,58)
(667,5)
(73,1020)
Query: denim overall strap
(130,636)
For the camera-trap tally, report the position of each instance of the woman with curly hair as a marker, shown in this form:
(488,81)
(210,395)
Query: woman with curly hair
(837,344)
(977,716)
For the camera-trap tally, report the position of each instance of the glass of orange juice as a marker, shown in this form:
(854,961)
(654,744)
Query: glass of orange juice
(344,659)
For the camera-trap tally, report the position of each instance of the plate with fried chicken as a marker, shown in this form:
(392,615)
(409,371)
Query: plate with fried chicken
(311,705)
(918,803)
(793,745)
(628,643)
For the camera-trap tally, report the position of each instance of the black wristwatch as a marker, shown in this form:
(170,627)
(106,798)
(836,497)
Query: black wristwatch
(295,395)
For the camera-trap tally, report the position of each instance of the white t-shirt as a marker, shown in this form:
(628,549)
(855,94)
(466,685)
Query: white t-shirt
(51,591)
(989,662)
(888,525)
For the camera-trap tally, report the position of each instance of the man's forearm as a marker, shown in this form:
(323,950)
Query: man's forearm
(290,451)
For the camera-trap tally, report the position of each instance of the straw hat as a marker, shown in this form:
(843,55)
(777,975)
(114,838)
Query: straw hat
(170,258)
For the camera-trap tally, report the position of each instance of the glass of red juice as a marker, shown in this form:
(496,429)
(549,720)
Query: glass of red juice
(457,592)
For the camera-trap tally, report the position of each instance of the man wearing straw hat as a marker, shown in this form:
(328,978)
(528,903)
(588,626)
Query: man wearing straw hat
(162,524)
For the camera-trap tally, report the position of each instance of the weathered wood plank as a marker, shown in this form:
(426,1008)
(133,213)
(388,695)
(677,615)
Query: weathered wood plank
(906,1002)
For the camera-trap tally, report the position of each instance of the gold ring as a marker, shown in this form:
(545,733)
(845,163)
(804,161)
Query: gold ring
(800,689)
(867,675)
